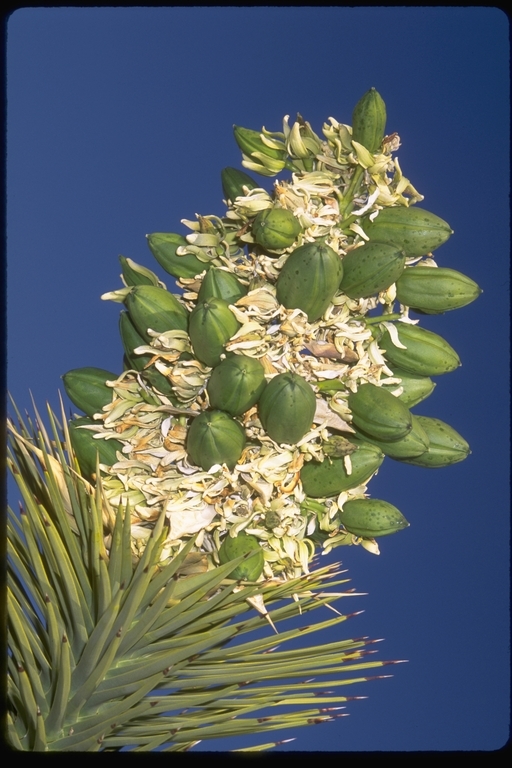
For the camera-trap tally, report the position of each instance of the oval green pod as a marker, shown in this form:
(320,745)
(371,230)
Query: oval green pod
(287,407)
(132,339)
(446,445)
(233,183)
(211,325)
(86,447)
(415,388)
(155,308)
(163,246)
(250,142)
(275,228)
(371,518)
(215,438)
(426,353)
(412,230)
(371,269)
(413,444)
(135,274)
(329,477)
(220,284)
(236,384)
(86,388)
(435,290)
(233,547)
(309,279)
(369,120)
(379,414)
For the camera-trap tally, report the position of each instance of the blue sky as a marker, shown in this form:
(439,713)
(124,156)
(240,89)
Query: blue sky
(119,122)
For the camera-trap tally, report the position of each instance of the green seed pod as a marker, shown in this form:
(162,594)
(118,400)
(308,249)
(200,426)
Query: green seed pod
(135,274)
(250,142)
(233,547)
(132,339)
(427,353)
(371,269)
(275,228)
(309,279)
(236,384)
(86,388)
(379,414)
(86,447)
(412,230)
(155,308)
(413,444)
(233,182)
(220,284)
(446,445)
(163,246)
(435,290)
(211,325)
(369,120)
(329,477)
(370,518)
(287,407)
(416,388)
(215,438)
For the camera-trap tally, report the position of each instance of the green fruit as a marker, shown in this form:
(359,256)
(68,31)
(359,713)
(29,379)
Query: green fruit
(220,284)
(413,444)
(370,518)
(435,290)
(416,388)
(250,142)
(134,274)
(275,228)
(379,414)
(412,230)
(132,339)
(236,384)
(163,246)
(369,120)
(215,438)
(233,547)
(86,388)
(446,445)
(371,269)
(309,279)
(155,308)
(427,354)
(86,447)
(287,407)
(329,477)
(211,325)
(233,182)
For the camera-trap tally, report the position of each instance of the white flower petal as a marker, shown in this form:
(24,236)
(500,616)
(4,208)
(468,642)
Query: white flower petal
(393,333)
(188,521)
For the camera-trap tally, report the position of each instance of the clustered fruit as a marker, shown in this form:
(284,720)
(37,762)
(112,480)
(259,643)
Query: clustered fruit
(270,390)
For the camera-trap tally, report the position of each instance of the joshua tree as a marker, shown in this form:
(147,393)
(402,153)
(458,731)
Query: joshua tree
(185,508)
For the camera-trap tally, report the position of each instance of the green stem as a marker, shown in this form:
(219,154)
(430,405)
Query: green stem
(149,398)
(382,318)
(312,506)
(352,190)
